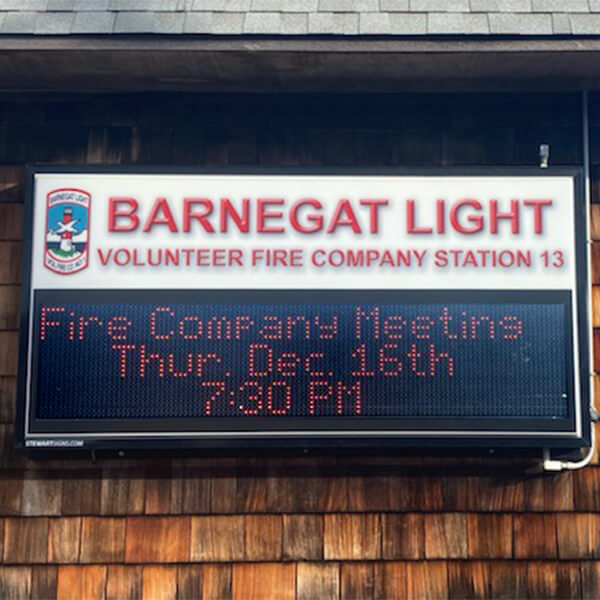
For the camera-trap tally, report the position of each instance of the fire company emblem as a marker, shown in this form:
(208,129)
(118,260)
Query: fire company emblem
(67,231)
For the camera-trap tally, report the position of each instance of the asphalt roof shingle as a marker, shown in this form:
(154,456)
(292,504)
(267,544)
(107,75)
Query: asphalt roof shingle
(301,17)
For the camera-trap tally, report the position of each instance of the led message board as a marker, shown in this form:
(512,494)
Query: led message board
(304,309)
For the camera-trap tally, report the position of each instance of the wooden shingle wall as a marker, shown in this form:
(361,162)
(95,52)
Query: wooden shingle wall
(277,527)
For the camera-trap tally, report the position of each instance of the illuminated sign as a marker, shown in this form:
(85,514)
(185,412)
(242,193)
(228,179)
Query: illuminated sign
(291,308)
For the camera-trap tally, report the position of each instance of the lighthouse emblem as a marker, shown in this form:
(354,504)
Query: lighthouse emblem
(67,227)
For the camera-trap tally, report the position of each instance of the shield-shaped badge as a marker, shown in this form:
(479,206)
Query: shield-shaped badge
(67,231)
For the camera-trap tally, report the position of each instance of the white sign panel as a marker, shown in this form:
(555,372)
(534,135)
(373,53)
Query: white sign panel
(303,231)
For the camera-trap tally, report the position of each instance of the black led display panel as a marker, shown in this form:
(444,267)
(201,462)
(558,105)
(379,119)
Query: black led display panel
(356,361)
(308,360)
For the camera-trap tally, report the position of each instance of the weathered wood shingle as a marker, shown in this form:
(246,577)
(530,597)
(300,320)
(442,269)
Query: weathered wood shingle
(157,539)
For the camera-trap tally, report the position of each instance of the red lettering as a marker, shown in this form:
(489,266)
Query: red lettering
(228,211)
(242,323)
(287,364)
(361,354)
(390,366)
(167,335)
(513,216)
(353,391)
(374,206)
(122,209)
(122,349)
(104,258)
(344,216)
(202,217)
(476,220)
(537,205)
(255,397)
(327,331)
(204,359)
(513,327)
(287,398)
(192,333)
(410,220)
(309,364)
(318,391)
(476,321)
(266,360)
(373,315)
(291,322)
(145,360)
(421,327)
(47,323)
(161,205)
(414,355)
(272,329)
(316,220)
(218,387)
(441,216)
(393,327)
(189,366)
(118,328)
(263,214)
(436,358)
(83,323)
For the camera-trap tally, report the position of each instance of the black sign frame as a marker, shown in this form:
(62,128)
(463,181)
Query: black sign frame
(163,434)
